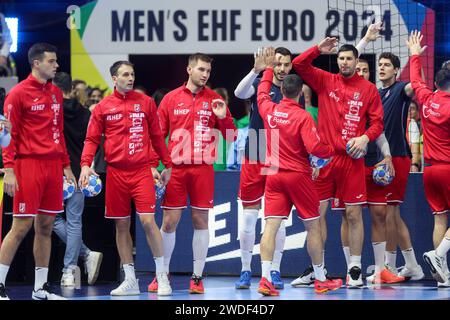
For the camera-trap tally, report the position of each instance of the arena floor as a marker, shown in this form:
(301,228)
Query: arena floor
(222,288)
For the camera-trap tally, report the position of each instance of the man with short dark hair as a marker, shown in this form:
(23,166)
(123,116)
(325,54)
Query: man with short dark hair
(435,112)
(34,162)
(252,180)
(69,230)
(291,137)
(194,115)
(346,103)
(130,126)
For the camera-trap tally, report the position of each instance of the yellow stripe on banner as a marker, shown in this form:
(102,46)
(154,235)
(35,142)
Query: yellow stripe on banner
(82,66)
(1,192)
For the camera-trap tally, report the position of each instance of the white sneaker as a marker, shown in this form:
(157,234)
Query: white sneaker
(92,265)
(354,278)
(305,280)
(45,293)
(129,287)
(164,288)
(436,265)
(391,269)
(445,285)
(415,273)
(68,279)
(3,295)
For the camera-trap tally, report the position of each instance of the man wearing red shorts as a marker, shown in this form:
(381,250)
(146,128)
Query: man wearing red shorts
(291,137)
(435,113)
(346,103)
(194,115)
(34,164)
(130,124)
(252,181)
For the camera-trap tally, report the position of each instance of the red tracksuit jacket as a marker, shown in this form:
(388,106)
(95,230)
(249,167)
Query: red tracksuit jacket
(435,117)
(131,127)
(190,119)
(345,105)
(295,128)
(36,114)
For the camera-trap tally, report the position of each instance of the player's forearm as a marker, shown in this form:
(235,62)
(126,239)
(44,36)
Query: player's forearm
(245,89)
(383,145)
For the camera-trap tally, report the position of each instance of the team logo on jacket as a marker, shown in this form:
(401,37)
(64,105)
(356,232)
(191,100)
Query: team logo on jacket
(205,105)
(137,107)
(54,99)
(356,96)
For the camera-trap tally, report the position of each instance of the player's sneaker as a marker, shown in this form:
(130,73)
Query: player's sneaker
(415,273)
(354,278)
(244,281)
(68,279)
(3,295)
(164,288)
(306,278)
(45,293)
(444,285)
(327,285)
(92,265)
(276,279)
(385,276)
(196,285)
(436,265)
(153,286)
(129,287)
(266,288)
(392,269)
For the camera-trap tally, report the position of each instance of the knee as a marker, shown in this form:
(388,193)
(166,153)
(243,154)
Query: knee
(353,217)
(169,225)
(44,230)
(122,226)
(249,222)
(148,224)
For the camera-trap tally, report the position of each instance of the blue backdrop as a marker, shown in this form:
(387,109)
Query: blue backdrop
(223,255)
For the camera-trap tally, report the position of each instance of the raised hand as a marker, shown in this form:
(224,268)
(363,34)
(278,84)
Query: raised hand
(413,43)
(260,63)
(269,57)
(328,45)
(219,108)
(373,31)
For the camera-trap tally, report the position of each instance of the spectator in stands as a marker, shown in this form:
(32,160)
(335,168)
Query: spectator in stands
(5,41)
(79,88)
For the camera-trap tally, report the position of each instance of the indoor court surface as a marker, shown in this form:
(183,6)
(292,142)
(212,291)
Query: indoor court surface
(222,288)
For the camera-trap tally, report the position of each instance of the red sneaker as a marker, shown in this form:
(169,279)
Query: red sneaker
(389,277)
(196,285)
(153,287)
(327,285)
(266,288)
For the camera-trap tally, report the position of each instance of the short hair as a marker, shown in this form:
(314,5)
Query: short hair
(349,47)
(91,90)
(116,65)
(37,51)
(63,81)
(363,61)
(291,86)
(76,82)
(223,92)
(283,51)
(392,57)
(193,58)
(443,79)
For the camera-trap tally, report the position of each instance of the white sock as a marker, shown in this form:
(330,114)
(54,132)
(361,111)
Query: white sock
(3,273)
(265,267)
(347,255)
(410,258)
(247,237)
(443,247)
(159,264)
(168,246)
(379,249)
(319,273)
(40,277)
(355,261)
(279,247)
(391,258)
(128,268)
(200,242)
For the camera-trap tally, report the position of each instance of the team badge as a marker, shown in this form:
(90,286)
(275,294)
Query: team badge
(356,96)
(205,105)
(137,107)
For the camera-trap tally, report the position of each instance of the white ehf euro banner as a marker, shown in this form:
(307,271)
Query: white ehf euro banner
(228,27)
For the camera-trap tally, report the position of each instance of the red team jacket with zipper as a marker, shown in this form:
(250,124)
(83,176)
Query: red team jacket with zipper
(435,117)
(36,114)
(345,104)
(190,120)
(295,131)
(131,128)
